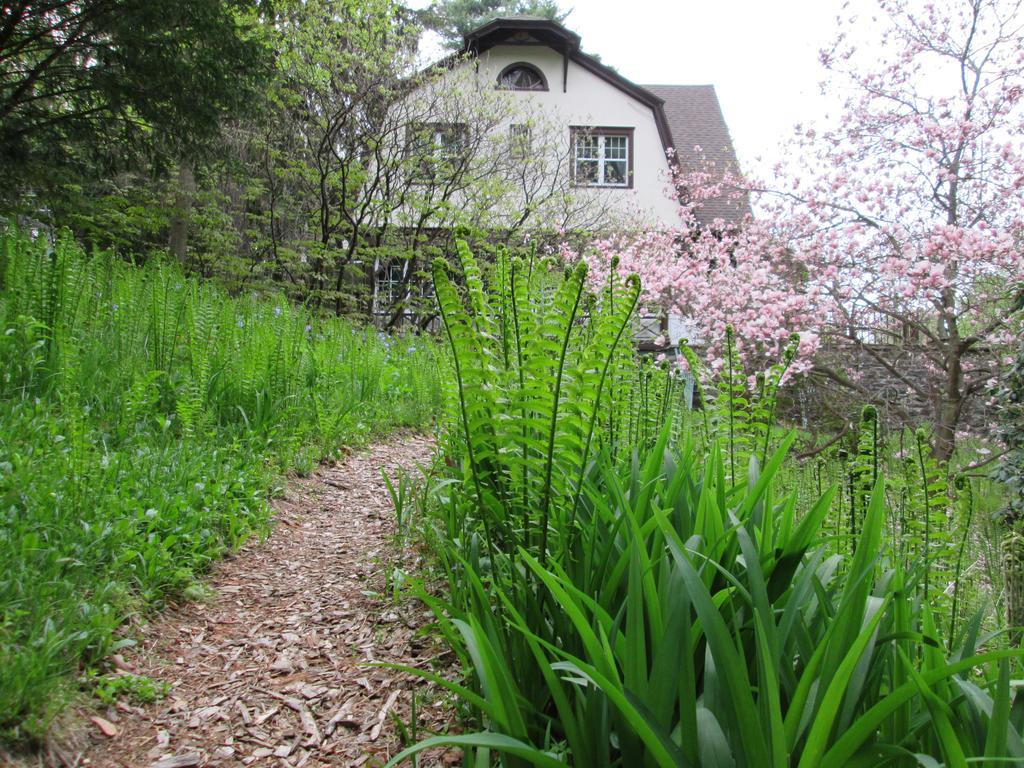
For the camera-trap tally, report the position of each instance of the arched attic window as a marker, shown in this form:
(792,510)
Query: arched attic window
(522,77)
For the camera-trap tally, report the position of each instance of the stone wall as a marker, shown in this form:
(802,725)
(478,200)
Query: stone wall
(817,397)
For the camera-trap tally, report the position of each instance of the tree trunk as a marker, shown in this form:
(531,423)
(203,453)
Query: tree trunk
(949,407)
(177,241)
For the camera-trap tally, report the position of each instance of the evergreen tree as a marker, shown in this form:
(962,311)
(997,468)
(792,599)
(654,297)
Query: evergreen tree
(452,19)
(92,84)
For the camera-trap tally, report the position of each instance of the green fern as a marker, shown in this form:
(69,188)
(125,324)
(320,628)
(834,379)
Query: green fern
(864,468)
(932,523)
(534,358)
(741,417)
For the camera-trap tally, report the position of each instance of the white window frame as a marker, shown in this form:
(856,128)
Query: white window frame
(387,284)
(447,147)
(601,158)
(503,83)
(520,140)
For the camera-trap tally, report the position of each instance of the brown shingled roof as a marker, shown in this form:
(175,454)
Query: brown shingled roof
(695,120)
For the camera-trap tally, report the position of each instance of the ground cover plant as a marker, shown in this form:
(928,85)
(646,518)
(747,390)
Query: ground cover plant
(623,598)
(144,417)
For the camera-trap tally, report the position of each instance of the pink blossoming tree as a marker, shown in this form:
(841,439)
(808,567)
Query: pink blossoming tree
(739,273)
(900,226)
(912,218)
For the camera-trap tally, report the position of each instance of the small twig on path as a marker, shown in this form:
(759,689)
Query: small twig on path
(382,715)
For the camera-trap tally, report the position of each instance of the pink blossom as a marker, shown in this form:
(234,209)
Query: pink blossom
(903,219)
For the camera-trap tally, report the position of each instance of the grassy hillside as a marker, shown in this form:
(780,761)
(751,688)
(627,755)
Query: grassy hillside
(144,419)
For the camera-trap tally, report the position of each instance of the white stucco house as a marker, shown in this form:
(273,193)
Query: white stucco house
(606,142)
(617,133)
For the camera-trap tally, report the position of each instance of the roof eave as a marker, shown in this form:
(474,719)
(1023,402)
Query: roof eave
(567,43)
(471,40)
(609,75)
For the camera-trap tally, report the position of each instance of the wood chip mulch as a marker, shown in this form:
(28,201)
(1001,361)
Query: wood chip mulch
(275,668)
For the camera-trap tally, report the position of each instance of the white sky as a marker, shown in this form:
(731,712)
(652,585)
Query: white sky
(761,56)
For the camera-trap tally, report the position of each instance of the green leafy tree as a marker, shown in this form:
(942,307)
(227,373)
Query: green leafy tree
(94,84)
(331,173)
(360,165)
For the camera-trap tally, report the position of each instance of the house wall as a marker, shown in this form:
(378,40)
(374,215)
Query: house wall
(584,100)
(588,100)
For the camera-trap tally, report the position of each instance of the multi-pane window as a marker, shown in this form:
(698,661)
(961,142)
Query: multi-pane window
(393,286)
(389,289)
(519,140)
(439,149)
(521,77)
(602,157)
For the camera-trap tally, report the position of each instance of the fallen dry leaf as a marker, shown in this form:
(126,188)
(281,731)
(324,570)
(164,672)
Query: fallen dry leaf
(106,727)
(179,761)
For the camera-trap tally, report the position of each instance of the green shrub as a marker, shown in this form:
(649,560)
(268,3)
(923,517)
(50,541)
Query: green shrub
(709,628)
(1010,471)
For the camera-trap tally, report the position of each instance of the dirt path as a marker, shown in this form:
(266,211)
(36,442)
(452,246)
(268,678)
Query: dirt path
(272,669)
